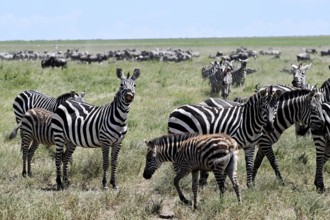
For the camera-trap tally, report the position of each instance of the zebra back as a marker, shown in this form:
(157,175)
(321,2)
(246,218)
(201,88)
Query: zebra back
(32,99)
(201,150)
(325,90)
(234,121)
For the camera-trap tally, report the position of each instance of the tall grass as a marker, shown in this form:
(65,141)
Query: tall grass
(161,88)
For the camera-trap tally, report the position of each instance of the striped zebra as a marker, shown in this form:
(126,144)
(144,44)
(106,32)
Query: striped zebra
(239,74)
(300,75)
(220,78)
(92,126)
(36,129)
(244,122)
(190,153)
(295,105)
(32,99)
(321,137)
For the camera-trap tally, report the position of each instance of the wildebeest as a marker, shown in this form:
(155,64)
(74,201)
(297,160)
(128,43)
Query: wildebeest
(54,62)
(325,52)
(311,51)
(303,56)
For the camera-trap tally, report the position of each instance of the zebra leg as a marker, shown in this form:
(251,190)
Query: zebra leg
(322,155)
(249,155)
(269,153)
(180,174)
(114,155)
(31,151)
(220,178)
(66,159)
(25,143)
(203,178)
(105,155)
(58,163)
(195,186)
(318,181)
(232,173)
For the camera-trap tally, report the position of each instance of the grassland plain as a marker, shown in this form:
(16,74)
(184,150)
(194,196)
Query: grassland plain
(161,88)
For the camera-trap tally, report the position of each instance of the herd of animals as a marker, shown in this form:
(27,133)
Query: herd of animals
(201,137)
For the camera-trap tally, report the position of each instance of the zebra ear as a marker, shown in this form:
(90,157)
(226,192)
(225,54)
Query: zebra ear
(136,74)
(82,94)
(263,92)
(278,93)
(120,74)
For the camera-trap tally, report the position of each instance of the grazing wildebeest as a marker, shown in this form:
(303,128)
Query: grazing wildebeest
(54,62)
(303,56)
(311,51)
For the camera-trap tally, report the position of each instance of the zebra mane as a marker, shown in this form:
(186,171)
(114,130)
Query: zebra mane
(67,95)
(293,94)
(173,137)
(325,84)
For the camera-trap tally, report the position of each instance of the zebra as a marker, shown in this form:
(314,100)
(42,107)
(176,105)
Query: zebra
(321,137)
(190,153)
(295,105)
(36,129)
(244,122)
(92,126)
(239,74)
(220,78)
(32,99)
(299,75)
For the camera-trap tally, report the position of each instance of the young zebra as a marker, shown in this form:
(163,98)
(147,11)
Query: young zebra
(244,122)
(92,126)
(190,153)
(36,129)
(31,99)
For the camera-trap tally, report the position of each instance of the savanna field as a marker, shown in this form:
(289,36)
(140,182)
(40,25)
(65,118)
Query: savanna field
(161,87)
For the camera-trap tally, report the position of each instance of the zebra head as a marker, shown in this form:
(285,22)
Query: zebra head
(78,97)
(299,75)
(127,86)
(313,111)
(152,164)
(268,106)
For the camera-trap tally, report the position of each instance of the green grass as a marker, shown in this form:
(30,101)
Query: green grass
(160,89)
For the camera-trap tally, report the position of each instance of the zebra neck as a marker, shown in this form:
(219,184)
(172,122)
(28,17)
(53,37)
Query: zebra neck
(289,112)
(167,151)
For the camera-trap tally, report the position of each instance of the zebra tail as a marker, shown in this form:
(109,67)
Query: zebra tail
(13,133)
(224,161)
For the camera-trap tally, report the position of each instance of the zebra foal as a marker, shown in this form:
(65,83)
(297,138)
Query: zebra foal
(35,127)
(92,126)
(190,153)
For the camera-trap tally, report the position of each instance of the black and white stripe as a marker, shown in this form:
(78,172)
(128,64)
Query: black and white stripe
(300,75)
(92,126)
(294,106)
(239,74)
(32,99)
(244,122)
(321,136)
(35,130)
(190,153)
